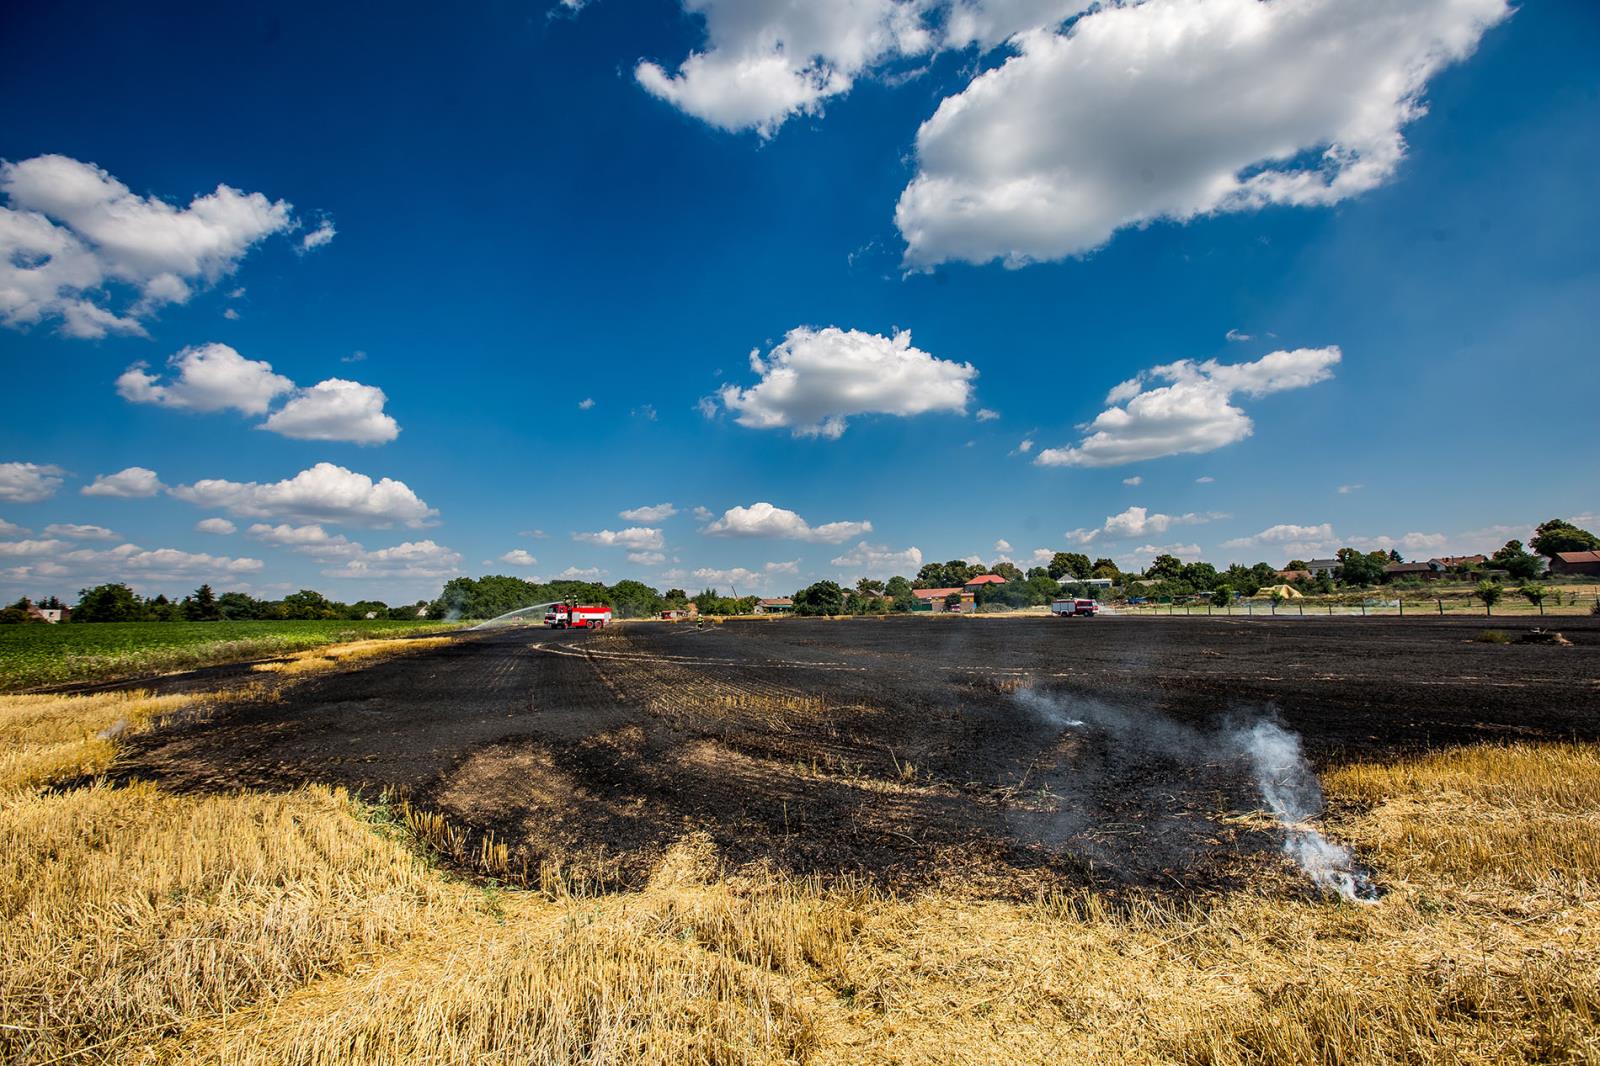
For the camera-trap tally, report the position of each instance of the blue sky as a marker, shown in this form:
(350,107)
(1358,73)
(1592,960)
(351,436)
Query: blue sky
(482,220)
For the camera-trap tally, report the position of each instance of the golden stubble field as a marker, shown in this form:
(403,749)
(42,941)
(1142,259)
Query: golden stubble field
(309,926)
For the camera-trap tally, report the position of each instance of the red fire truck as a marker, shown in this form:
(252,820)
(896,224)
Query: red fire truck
(577,616)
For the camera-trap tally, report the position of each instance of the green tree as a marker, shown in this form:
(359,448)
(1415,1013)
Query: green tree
(1535,594)
(1165,568)
(635,599)
(108,603)
(1559,535)
(238,605)
(18,613)
(1070,564)
(1489,593)
(1359,568)
(310,604)
(201,605)
(1243,579)
(1296,564)
(1222,595)
(1517,561)
(869,587)
(824,597)
(1200,576)
(898,589)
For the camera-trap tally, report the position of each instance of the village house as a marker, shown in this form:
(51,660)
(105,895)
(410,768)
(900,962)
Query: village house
(1424,571)
(1576,563)
(776,605)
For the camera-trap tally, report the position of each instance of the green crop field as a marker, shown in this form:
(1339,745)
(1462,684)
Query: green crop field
(38,655)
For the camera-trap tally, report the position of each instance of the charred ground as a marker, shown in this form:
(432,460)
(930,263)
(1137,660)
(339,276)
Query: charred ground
(1006,754)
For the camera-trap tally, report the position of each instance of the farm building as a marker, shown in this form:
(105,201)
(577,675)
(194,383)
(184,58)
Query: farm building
(934,599)
(50,614)
(1451,562)
(1323,567)
(1425,571)
(1576,563)
(778,605)
(676,614)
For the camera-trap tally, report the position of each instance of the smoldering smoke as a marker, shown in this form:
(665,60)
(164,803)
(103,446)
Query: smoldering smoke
(1273,754)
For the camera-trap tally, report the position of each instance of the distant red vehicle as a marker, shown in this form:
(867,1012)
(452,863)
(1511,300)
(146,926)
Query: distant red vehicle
(581,616)
(1075,608)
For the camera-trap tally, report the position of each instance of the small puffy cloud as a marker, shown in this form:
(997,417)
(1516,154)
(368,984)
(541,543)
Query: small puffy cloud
(636,538)
(1002,545)
(586,403)
(79,532)
(323,234)
(653,513)
(21,549)
(209,377)
(1206,480)
(581,573)
(765,520)
(1025,446)
(1238,335)
(70,231)
(1345,490)
(1173,110)
(769,60)
(1282,534)
(357,356)
(10,529)
(413,559)
(322,492)
(745,580)
(1138,522)
(1135,481)
(29,482)
(519,557)
(879,561)
(701,514)
(310,539)
(231,315)
(336,410)
(815,380)
(219,526)
(647,558)
(1195,412)
(987,415)
(134,482)
(1189,553)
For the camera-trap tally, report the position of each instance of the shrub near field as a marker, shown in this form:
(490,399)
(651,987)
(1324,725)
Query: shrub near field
(39,655)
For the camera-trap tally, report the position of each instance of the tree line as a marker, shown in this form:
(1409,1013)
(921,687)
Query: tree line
(493,595)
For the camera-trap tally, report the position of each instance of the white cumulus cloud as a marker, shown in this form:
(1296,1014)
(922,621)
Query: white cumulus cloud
(764,520)
(78,531)
(814,380)
(336,409)
(132,483)
(218,526)
(653,513)
(879,561)
(636,538)
(647,558)
(519,557)
(29,482)
(413,559)
(1194,412)
(69,231)
(209,377)
(1174,109)
(323,234)
(1138,522)
(321,492)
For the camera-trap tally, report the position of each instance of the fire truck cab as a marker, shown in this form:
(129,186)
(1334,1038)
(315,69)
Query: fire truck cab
(578,616)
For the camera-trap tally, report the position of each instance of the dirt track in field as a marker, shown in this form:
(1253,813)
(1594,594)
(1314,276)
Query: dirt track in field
(1008,755)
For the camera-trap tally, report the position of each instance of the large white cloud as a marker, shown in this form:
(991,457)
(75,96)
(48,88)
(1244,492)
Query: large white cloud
(209,377)
(876,560)
(132,483)
(29,482)
(764,520)
(1171,109)
(637,538)
(1194,413)
(744,580)
(18,549)
(220,527)
(768,60)
(310,539)
(215,377)
(324,492)
(70,228)
(1137,522)
(125,561)
(1285,533)
(815,379)
(336,410)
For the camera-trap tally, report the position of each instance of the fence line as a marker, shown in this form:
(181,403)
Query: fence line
(1574,605)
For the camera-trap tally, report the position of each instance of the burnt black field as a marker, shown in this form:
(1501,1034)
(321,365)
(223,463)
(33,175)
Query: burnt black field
(1003,755)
